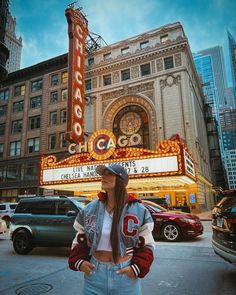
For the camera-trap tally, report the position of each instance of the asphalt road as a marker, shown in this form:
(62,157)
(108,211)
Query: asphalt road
(181,268)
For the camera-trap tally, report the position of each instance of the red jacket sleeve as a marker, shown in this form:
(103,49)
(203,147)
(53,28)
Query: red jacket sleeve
(80,249)
(143,254)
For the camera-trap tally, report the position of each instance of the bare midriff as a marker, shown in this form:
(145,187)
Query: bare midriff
(106,256)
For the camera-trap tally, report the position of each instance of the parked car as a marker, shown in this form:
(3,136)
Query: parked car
(6,211)
(157,200)
(3,226)
(43,221)
(173,226)
(224,227)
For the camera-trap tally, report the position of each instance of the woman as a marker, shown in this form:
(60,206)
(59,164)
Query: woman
(114,244)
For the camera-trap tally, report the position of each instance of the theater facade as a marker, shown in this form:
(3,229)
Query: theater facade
(143,108)
(139,103)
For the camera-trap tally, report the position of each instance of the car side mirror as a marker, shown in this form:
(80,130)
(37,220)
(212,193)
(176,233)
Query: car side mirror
(71,213)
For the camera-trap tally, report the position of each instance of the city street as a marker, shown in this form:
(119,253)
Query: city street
(188,267)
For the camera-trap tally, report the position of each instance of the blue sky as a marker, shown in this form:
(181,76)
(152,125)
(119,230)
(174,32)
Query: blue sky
(43,27)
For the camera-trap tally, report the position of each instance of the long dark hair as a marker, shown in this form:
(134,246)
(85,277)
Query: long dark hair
(120,199)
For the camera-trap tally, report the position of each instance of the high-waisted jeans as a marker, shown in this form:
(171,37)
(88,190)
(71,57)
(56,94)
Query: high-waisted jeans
(105,281)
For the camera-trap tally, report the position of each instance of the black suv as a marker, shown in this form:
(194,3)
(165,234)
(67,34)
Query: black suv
(43,221)
(224,227)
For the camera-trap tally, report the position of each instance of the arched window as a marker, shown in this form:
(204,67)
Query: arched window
(132,120)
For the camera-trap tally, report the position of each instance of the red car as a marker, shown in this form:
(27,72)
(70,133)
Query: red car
(173,225)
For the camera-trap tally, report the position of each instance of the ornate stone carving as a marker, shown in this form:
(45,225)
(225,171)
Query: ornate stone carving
(129,90)
(153,67)
(134,72)
(100,81)
(105,104)
(170,80)
(178,61)
(115,77)
(159,64)
(89,100)
(95,82)
(149,94)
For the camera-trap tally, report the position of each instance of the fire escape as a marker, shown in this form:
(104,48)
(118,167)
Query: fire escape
(214,147)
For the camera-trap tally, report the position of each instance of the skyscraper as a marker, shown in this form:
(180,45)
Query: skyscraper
(228,127)
(14,45)
(4,52)
(205,69)
(218,67)
(232,52)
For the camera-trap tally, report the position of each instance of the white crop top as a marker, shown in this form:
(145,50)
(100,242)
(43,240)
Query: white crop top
(104,242)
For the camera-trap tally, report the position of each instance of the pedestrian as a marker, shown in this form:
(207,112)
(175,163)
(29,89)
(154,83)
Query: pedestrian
(114,244)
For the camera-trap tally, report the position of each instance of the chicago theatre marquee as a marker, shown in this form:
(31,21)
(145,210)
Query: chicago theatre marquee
(143,109)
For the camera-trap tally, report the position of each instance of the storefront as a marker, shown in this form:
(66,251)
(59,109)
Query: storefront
(168,171)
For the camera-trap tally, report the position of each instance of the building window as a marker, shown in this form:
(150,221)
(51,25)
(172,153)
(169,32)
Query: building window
(12,173)
(54,80)
(4,94)
(163,39)
(16,126)
(52,141)
(145,69)
(19,90)
(63,116)
(107,56)
(35,102)
(64,77)
(88,84)
(124,50)
(91,61)
(33,145)
(15,148)
(107,80)
(30,171)
(3,110)
(63,143)
(64,94)
(2,129)
(54,97)
(36,85)
(18,106)
(34,122)
(144,44)
(125,75)
(53,118)
(1,150)
(168,62)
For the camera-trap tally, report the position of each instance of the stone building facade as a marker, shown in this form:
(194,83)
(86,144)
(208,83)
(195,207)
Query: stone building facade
(146,84)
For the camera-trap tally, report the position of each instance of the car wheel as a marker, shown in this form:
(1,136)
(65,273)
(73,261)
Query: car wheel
(171,232)
(22,242)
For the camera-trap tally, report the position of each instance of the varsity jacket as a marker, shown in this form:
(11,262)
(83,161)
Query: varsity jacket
(135,234)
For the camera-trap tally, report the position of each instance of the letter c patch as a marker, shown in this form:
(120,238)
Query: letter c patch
(128,223)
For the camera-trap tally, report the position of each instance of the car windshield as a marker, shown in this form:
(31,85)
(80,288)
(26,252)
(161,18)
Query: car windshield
(154,206)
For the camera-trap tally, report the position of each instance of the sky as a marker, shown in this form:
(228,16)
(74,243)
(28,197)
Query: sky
(43,26)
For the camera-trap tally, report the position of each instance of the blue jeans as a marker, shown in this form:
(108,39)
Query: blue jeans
(105,281)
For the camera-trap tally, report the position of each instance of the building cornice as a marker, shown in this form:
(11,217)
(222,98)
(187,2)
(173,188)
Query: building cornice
(151,52)
(37,70)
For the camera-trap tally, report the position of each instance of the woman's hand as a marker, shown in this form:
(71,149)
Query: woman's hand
(87,268)
(127,271)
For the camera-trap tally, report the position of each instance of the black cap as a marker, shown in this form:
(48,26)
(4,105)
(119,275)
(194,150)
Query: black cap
(115,169)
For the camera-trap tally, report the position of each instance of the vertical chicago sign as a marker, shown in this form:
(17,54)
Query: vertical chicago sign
(77,31)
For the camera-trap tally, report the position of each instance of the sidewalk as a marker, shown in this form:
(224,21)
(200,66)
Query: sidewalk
(205,216)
